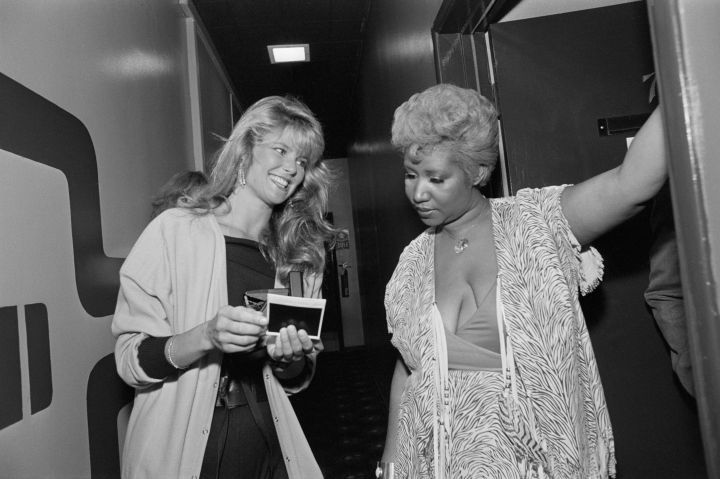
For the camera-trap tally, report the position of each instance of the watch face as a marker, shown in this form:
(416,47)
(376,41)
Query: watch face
(385,470)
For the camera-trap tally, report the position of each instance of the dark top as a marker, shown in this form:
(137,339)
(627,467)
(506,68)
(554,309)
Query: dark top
(247,269)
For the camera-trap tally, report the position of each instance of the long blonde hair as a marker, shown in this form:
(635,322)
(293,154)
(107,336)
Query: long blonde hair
(297,232)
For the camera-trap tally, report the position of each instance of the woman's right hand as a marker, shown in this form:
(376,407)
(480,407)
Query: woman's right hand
(235,329)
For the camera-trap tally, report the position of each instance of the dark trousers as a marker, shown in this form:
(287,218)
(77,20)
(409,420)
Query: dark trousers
(238,448)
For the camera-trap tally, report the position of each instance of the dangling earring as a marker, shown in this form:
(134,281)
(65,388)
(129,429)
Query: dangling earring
(241,178)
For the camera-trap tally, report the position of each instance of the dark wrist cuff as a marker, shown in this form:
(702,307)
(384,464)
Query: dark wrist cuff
(151,356)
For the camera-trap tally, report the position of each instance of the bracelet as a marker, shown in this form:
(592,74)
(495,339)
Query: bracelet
(279,365)
(169,353)
(282,365)
(385,470)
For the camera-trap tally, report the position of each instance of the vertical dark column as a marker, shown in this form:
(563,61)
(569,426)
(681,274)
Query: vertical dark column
(11,398)
(397,61)
(38,345)
(107,394)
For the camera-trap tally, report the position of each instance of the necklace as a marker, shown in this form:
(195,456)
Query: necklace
(461,243)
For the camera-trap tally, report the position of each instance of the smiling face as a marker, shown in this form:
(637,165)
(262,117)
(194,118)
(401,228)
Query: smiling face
(277,167)
(437,187)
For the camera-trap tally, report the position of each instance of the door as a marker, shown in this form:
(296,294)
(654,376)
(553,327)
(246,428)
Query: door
(558,80)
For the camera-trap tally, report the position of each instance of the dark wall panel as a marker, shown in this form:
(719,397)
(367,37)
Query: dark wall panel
(397,62)
(11,399)
(556,76)
(38,345)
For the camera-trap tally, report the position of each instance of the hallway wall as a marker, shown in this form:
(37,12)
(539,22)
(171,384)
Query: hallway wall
(397,62)
(346,253)
(95,116)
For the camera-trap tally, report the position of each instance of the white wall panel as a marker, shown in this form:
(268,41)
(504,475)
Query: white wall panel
(36,265)
(118,66)
(118,69)
(539,8)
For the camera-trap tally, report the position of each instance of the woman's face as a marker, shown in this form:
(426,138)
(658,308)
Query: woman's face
(437,187)
(277,168)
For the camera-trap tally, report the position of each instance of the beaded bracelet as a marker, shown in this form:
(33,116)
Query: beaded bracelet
(169,354)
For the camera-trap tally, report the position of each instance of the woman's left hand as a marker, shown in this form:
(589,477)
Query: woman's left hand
(290,345)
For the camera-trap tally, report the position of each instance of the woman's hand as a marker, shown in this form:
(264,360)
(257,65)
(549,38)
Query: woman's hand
(291,345)
(235,329)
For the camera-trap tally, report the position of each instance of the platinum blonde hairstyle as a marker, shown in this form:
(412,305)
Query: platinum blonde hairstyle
(296,235)
(455,120)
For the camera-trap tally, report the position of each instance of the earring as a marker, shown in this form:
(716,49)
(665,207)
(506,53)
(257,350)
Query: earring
(482,176)
(241,179)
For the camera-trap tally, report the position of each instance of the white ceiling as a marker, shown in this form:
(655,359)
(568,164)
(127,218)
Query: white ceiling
(538,8)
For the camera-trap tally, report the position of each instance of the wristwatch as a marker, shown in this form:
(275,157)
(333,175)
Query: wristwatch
(385,470)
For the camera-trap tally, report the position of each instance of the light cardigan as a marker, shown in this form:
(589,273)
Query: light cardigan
(174,279)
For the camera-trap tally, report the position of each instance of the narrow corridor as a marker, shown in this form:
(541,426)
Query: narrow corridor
(344,411)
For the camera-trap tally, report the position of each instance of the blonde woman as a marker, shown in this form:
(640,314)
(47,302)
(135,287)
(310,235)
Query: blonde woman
(210,389)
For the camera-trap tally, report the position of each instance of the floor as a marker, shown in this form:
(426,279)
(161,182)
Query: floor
(344,411)
(344,416)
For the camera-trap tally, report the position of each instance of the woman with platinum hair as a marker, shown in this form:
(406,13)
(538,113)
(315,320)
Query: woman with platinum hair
(496,376)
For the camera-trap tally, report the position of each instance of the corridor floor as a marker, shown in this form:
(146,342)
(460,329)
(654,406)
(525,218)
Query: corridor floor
(344,411)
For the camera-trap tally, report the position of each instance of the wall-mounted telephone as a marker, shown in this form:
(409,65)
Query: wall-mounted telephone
(344,287)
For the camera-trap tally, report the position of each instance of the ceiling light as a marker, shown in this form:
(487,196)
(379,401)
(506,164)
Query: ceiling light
(289,53)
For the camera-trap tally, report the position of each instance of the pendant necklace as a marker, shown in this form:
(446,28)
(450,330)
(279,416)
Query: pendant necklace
(462,243)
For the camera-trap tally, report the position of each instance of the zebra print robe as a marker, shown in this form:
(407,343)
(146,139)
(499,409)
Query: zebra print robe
(545,415)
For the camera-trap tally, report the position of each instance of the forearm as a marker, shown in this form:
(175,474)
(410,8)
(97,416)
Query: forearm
(602,202)
(396,389)
(644,169)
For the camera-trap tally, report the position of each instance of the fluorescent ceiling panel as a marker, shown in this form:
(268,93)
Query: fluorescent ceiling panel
(289,53)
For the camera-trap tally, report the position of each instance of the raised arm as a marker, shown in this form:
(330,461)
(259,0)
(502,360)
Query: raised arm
(606,200)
